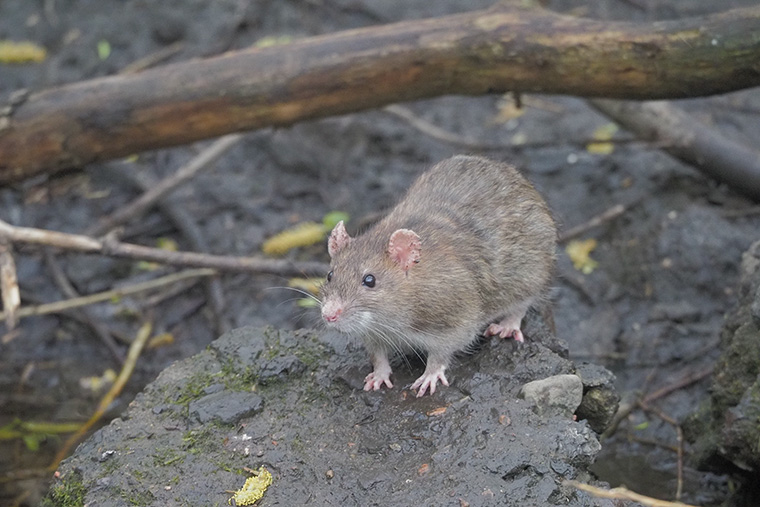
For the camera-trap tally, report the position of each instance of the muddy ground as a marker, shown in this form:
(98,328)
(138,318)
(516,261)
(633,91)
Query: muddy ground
(651,311)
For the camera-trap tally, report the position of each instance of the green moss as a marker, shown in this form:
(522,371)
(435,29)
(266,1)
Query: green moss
(110,466)
(134,497)
(166,456)
(311,356)
(194,388)
(69,492)
(236,379)
(737,368)
(204,439)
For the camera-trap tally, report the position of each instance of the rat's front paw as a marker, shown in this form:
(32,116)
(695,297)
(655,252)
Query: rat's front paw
(375,380)
(429,380)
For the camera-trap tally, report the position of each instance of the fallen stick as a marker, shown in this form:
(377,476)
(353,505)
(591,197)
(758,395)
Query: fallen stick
(504,48)
(184,174)
(112,248)
(624,494)
(109,295)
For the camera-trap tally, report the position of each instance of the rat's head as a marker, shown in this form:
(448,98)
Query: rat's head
(367,275)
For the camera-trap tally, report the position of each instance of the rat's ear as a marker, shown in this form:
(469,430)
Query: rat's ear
(404,248)
(339,238)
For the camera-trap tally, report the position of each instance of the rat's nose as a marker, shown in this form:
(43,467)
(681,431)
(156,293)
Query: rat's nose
(333,315)
(331,311)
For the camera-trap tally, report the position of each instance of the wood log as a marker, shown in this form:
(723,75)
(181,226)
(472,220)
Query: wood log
(491,51)
(687,139)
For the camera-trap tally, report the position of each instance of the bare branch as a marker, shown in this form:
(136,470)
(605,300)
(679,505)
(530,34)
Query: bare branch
(113,248)
(496,50)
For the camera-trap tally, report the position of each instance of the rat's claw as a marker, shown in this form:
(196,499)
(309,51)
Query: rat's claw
(375,380)
(429,380)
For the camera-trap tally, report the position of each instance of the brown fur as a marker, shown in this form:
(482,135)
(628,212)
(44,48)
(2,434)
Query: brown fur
(488,246)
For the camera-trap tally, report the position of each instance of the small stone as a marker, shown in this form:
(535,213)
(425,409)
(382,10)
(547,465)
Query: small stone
(599,406)
(560,394)
(329,474)
(594,375)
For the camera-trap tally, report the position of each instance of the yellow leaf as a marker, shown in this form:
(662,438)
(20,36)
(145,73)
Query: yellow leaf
(579,252)
(148,266)
(507,110)
(273,40)
(602,135)
(96,384)
(310,285)
(160,340)
(167,244)
(303,234)
(21,52)
(253,489)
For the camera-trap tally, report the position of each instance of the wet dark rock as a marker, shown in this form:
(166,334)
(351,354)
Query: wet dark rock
(600,399)
(560,394)
(725,428)
(474,442)
(225,408)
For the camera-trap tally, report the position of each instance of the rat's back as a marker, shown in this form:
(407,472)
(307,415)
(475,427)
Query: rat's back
(490,213)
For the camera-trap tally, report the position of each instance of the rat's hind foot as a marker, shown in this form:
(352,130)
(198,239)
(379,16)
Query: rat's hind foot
(429,379)
(509,325)
(506,328)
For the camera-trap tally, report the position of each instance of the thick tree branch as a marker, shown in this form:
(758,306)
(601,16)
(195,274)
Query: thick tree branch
(495,50)
(689,140)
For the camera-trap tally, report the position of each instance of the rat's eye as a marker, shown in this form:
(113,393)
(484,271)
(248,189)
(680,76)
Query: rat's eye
(329,276)
(368,281)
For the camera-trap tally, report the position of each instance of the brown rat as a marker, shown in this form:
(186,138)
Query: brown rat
(471,244)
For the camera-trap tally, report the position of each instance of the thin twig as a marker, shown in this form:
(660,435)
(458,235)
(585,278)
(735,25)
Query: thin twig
(626,409)
(113,248)
(679,439)
(688,379)
(185,223)
(606,216)
(154,58)
(129,365)
(149,198)
(68,290)
(624,494)
(438,133)
(469,143)
(100,297)
(9,285)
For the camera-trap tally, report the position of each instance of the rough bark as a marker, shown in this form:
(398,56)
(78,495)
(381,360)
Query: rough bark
(491,51)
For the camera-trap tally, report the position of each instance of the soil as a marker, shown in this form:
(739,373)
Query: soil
(651,311)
